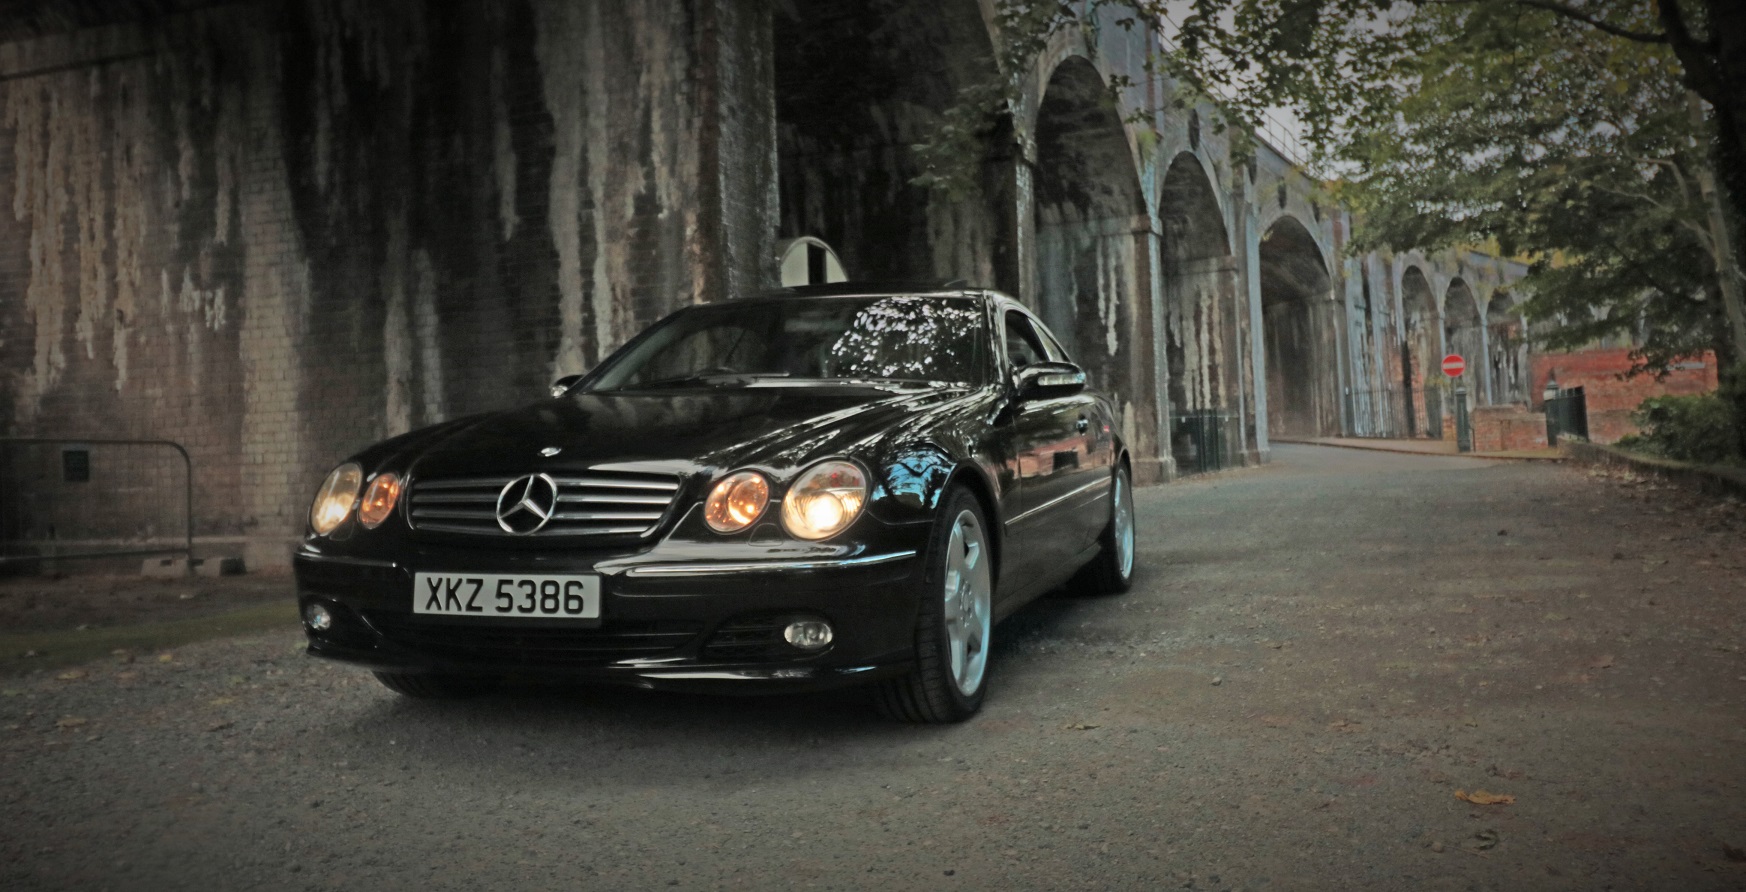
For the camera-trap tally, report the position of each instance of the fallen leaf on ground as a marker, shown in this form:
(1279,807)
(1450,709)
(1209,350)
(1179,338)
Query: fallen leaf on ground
(219,726)
(70,676)
(1077,726)
(1480,797)
(1602,663)
(1345,726)
(165,658)
(69,722)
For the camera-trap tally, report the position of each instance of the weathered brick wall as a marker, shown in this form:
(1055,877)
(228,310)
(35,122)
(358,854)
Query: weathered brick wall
(277,231)
(1612,396)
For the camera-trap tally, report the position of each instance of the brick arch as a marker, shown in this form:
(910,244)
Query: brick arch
(858,83)
(1087,206)
(1420,342)
(1200,288)
(1301,329)
(1464,332)
(1506,348)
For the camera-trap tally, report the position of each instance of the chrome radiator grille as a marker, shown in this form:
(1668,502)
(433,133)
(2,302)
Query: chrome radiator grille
(593,504)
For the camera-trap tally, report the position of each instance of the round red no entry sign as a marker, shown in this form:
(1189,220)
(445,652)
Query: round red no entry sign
(1454,365)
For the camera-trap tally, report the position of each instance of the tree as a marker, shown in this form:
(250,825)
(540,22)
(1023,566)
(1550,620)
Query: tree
(1377,82)
(1513,124)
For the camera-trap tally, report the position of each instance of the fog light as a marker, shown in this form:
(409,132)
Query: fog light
(317,617)
(808,634)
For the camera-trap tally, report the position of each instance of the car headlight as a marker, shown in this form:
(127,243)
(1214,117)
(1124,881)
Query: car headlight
(334,502)
(379,499)
(736,501)
(824,500)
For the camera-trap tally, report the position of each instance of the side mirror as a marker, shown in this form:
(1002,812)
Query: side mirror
(563,385)
(1049,380)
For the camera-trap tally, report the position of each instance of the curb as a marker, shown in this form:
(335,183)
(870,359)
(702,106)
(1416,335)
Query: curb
(1488,456)
(1712,479)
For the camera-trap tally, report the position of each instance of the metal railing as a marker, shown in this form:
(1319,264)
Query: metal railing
(115,500)
(1205,440)
(1567,415)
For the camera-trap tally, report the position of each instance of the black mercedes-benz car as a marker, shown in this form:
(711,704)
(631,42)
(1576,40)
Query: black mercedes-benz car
(822,486)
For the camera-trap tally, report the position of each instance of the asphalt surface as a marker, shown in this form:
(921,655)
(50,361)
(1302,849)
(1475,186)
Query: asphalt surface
(1319,656)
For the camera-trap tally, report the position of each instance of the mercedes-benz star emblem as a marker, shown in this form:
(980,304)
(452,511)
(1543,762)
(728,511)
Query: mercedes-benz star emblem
(527,503)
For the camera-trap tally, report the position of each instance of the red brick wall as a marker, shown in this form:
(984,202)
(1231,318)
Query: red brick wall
(1505,428)
(1611,396)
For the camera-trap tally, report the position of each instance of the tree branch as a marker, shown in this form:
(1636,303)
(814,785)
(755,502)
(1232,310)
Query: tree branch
(1599,24)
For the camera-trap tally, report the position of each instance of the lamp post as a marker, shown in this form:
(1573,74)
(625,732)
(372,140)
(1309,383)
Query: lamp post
(1554,425)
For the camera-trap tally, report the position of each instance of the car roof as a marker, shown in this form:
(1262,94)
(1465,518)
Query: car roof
(956,287)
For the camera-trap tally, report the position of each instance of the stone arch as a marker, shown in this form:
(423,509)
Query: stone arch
(1200,285)
(1088,207)
(1507,349)
(859,83)
(1420,341)
(1301,330)
(1464,334)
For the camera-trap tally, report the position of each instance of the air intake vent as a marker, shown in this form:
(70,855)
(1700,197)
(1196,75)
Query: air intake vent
(594,504)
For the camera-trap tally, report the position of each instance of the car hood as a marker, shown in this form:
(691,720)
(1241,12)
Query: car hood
(685,431)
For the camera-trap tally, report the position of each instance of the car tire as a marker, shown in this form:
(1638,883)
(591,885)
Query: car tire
(1112,571)
(425,686)
(954,621)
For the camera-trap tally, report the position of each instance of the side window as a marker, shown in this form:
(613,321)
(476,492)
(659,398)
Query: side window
(1023,347)
(1057,352)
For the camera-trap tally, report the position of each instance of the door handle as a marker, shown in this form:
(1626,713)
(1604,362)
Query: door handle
(1083,424)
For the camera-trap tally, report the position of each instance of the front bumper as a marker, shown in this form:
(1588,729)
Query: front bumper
(688,617)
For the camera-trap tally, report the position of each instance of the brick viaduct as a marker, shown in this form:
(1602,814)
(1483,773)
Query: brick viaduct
(276,231)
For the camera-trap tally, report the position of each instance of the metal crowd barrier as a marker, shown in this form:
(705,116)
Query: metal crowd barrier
(36,498)
(1204,440)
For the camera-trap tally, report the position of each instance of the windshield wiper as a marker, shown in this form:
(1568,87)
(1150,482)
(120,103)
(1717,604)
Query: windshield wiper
(708,376)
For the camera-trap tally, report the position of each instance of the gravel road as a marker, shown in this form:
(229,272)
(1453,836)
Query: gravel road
(1320,658)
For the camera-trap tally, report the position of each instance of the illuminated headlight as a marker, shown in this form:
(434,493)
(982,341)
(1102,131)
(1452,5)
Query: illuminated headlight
(736,501)
(379,500)
(334,502)
(824,500)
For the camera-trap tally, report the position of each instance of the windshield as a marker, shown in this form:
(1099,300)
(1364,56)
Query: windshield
(934,339)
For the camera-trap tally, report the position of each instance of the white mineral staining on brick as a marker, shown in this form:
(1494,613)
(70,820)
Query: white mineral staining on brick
(231,136)
(411,346)
(502,147)
(602,152)
(426,327)
(396,333)
(1111,290)
(561,63)
(133,180)
(81,130)
(40,201)
(274,310)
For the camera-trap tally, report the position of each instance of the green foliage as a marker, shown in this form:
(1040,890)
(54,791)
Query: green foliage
(1698,428)
(1553,139)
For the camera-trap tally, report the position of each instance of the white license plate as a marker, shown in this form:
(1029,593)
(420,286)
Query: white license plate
(507,596)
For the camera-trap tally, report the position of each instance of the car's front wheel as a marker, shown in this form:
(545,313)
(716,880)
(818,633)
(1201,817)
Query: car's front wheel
(954,623)
(426,686)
